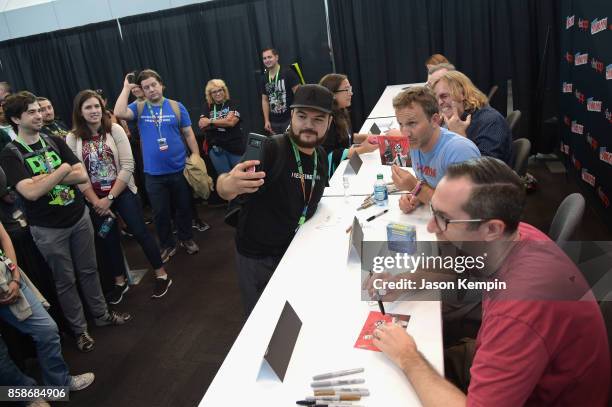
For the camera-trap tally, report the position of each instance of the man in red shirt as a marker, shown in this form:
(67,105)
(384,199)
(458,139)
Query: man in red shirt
(543,340)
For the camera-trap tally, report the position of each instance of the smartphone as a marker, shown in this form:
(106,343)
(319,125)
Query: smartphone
(255,150)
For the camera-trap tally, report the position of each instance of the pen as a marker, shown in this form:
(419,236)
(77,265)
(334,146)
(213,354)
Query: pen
(338,397)
(371,218)
(330,383)
(337,374)
(381,306)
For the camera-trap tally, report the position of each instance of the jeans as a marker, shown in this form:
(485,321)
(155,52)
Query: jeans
(253,276)
(222,160)
(111,253)
(279,127)
(162,189)
(70,252)
(128,206)
(44,331)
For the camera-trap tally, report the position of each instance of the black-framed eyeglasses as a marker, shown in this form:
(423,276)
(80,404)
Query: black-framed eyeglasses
(442,221)
(216,91)
(348,89)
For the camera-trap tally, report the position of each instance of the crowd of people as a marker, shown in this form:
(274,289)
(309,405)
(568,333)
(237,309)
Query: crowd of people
(71,183)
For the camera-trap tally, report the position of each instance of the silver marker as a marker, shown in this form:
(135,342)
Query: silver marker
(337,374)
(336,383)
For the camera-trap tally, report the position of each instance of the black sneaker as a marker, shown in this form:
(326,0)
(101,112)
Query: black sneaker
(190,246)
(161,287)
(116,295)
(200,226)
(113,318)
(167,253)
(85,343)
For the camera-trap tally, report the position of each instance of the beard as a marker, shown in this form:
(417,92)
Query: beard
(306,144)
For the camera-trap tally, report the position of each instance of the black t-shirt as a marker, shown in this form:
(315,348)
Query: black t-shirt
(61,207)
(228,138)
(280,93)
(270,216)
(55,128)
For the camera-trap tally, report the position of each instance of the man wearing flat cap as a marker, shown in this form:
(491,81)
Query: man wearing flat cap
(284,194)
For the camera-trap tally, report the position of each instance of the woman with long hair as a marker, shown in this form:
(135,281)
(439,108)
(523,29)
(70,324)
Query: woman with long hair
(340,137)
(105,151)
(220,121)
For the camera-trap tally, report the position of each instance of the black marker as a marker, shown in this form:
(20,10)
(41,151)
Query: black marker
(371,218)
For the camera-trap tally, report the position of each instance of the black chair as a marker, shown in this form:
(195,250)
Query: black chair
(566,219)
(520,153)
(513,118)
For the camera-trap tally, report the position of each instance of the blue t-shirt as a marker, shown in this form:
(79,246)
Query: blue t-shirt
(171,159)
(451,148)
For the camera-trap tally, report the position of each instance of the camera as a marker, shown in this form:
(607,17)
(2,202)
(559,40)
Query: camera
(131,77)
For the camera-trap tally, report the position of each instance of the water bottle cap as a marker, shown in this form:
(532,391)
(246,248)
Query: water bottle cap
(379,176)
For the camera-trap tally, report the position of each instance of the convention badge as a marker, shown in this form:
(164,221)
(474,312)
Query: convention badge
(163,145)
(106,184)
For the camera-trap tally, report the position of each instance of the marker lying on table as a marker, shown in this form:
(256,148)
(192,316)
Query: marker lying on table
(342,397)
(320,403)
(378,215)
(382,307)
(330,391)
(330,383)
(339,373)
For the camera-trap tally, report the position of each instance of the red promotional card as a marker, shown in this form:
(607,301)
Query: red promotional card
(394,150)
(375,318)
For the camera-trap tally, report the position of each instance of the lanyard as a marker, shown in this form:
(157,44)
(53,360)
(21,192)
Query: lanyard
(100,145)
(275,78)
(312,186)
(157,120)
(48,162)
(215,110)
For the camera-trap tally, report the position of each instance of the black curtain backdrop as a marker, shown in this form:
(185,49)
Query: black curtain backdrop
(585,89)
(380,43)
(188,46)
(377,43)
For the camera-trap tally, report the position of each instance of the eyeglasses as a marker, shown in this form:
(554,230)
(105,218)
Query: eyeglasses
(442,221)
(349,89)
(216,91)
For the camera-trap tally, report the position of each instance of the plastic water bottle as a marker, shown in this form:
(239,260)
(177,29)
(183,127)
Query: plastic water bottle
(345,184)
(380,191)
(106,226)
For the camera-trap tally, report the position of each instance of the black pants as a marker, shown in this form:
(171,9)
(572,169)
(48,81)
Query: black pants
(253,276)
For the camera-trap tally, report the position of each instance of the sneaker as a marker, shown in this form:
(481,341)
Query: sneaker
(161,287)
(38,403)
(81,381)
(113,318)
(200,226)
(85,343)
(190,246)
(116,295)
(167,253)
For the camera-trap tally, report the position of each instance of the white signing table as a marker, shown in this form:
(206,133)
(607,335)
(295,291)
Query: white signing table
(326,294)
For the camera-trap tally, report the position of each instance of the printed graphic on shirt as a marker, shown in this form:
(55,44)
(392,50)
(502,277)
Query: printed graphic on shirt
(277,96)
(40,164)
(426,170)
(98,159)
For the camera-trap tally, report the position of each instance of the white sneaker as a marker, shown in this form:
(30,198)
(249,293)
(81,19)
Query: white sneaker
(38,403)
(81,381)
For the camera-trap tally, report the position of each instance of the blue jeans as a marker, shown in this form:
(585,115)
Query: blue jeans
(41,327)
(162,189)
(223,160)
(128,206)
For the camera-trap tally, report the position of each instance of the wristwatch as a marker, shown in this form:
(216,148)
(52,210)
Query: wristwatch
(110,197)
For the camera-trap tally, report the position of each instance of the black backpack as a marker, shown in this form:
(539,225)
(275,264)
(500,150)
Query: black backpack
(278,144)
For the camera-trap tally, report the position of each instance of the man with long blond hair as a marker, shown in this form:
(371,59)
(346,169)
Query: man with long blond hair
(466,111)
